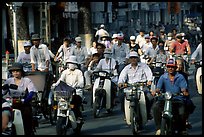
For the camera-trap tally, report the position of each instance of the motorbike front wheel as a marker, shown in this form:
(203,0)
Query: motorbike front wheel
(96,107)
(61,126)
(134,123)
(166,127)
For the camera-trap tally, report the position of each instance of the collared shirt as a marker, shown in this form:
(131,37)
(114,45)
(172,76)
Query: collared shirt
(120,53)
(175,86)
(25,83)
(197,54)
(39,56)
(72,78)
(24,58)
(109,67)
(101,32)
(151,52)
(180,48)
(64,52)
(145,46)
(80,53)
(141,73)
(140,40)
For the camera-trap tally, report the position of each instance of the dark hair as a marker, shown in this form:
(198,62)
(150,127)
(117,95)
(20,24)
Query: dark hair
(100,44)
(66,39)
(95,55)
(154,38)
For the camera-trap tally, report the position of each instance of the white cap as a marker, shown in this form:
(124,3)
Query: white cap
(27,43)
(114,36)
(133,54)
(78,39)
(102,26)
(132,37)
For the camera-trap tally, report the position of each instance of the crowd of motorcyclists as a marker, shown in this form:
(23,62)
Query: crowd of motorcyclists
(126,61)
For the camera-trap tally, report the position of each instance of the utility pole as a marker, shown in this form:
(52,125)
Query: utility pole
(13,6)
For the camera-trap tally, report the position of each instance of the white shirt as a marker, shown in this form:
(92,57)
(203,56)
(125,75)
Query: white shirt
(64,52)
(80,53)
(39,56)
(145,46)
(25,83)
(92,51)
(103,65)
(142,73)
(140,40)
(101,32)
(24,58)
(197,54)
(72,78)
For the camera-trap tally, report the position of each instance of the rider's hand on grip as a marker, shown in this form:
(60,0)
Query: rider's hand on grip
(185,93)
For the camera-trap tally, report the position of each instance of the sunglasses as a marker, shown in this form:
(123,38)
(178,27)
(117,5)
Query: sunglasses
(170,66)
(15,70)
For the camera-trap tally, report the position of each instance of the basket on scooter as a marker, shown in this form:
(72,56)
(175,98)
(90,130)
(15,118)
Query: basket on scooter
(62,90)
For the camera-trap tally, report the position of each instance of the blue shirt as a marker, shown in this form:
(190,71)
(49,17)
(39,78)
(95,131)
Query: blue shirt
(175,86)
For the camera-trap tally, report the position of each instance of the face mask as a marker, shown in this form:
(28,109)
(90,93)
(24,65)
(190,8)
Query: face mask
(71,66)
(169,38)
(107,56)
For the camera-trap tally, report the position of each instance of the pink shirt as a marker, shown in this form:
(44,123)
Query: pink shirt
(180,48)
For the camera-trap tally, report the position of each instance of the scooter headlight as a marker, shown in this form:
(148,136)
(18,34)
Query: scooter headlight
(141,88)
(63,105)
(168,95)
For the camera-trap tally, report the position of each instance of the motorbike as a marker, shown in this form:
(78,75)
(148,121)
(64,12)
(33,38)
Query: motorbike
(184,57)
(66,120)
(158,69)
(170,115)
(14,97)
(198,65)
(135,105)
(101,93)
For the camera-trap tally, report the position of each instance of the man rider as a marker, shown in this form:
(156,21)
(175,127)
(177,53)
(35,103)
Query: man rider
(175,83)
(136,72)
(109,64)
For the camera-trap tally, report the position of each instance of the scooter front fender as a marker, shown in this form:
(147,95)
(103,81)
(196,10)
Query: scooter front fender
(199,80)
(72,118)
(18,122)
(143,110)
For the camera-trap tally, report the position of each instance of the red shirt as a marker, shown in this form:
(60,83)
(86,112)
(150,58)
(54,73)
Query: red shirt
(180,48)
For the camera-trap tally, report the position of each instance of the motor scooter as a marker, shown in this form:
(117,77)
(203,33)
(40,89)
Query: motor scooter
(53,102)
(135,105)
(14,97)
(170,115)
(66,122)
(101,93)
(198,65)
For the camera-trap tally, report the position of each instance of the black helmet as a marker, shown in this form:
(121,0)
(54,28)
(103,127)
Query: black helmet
(35,37)
(16,66)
